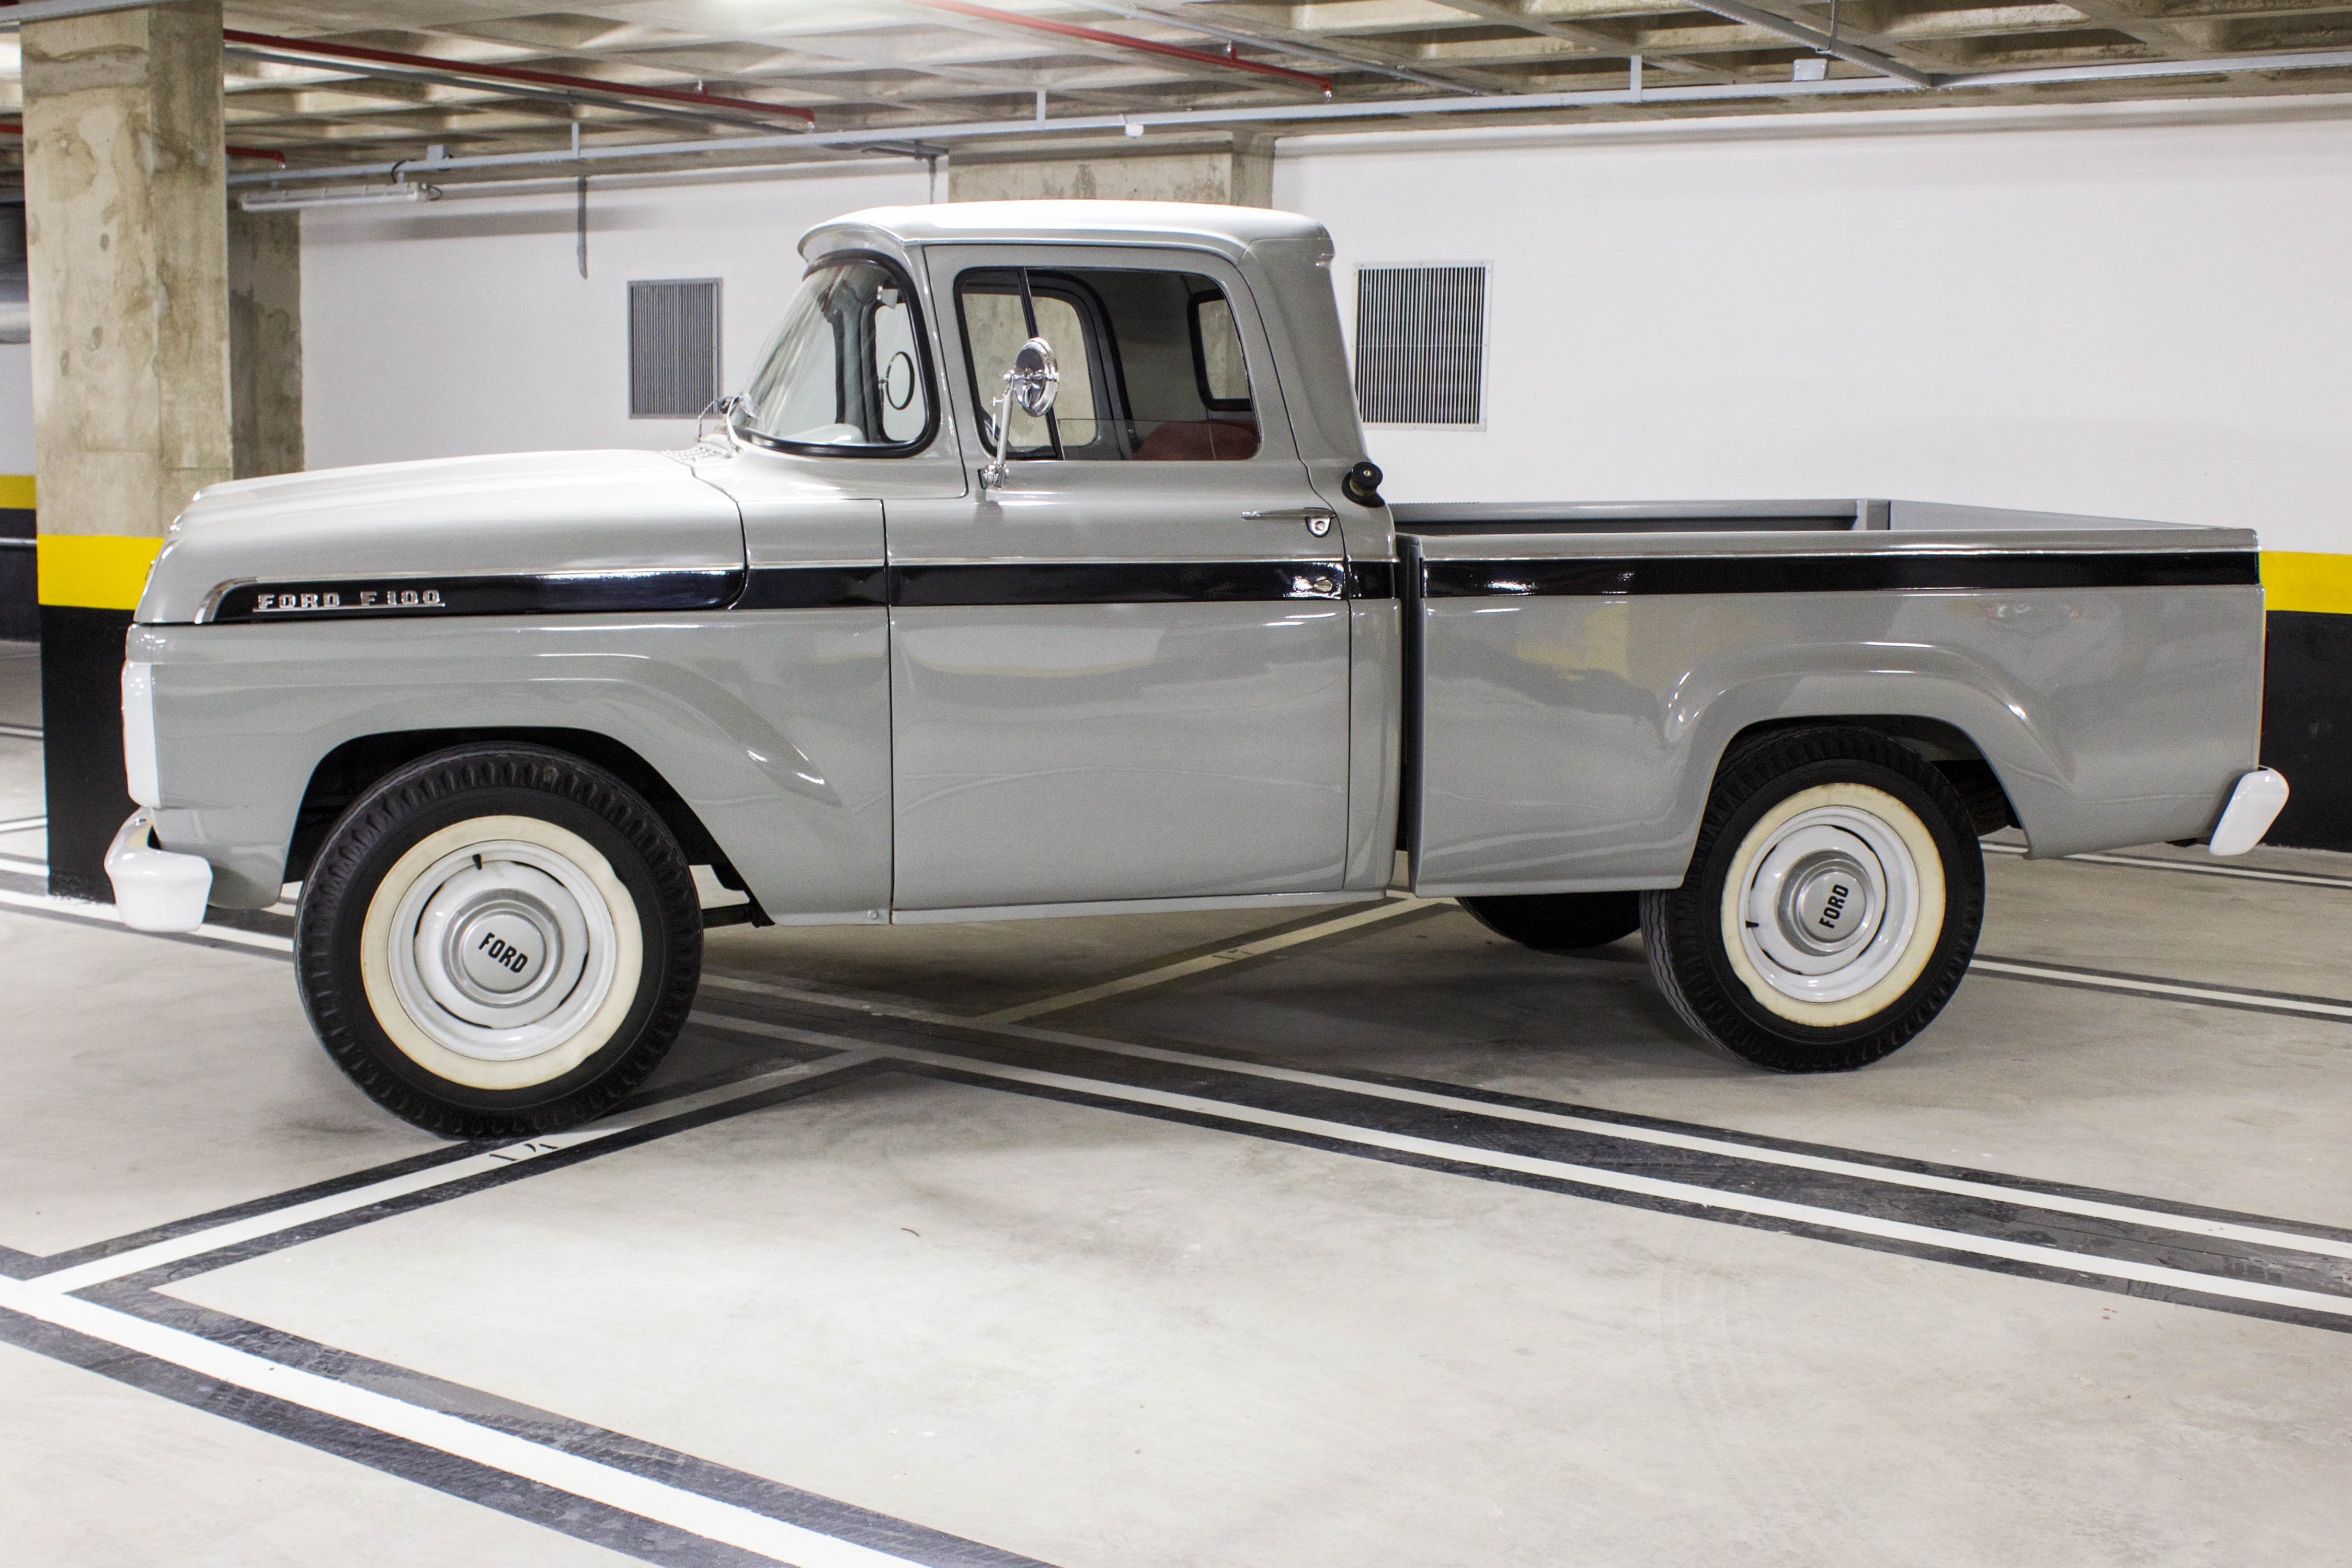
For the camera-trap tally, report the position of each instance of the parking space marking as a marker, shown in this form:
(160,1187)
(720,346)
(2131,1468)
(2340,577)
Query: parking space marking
(2189,868)
(105,915)
(2287,1002)
(2043,1260)
(1166,973)
(232,1368)
(235,1232)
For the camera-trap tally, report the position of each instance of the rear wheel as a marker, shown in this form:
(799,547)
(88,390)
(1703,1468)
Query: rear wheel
(1560,922)
(498,941)
(1831,906)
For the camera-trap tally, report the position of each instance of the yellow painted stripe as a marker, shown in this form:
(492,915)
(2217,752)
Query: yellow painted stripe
(96,571)
(15,491)
(2298,580)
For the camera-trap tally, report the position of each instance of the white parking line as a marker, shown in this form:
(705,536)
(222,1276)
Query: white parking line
(105,915)
(1208,961)
(2191,868)
(548,1466)
(2062,1203)
(2312,1007)
(1729,1201)
(228,1233)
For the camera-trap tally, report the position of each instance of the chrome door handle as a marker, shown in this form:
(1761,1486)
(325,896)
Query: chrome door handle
(1318,520)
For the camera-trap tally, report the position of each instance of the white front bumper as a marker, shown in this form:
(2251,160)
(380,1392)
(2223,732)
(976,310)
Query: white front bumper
(156,890)
(2253,806)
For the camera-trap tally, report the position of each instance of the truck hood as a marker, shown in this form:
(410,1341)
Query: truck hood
(521,515)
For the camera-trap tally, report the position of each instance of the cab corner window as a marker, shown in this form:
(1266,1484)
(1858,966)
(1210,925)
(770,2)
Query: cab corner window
(844,375)
(1152,363)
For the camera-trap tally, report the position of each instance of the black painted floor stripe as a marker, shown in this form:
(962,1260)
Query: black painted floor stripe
(2167,989)
(1962,1216)
(823,1012)
(600,1524)
(33,1266)
(164,1274)
(2025,1187)
(2229,870)
(212,1218)
(2015,1267)
(671,1468)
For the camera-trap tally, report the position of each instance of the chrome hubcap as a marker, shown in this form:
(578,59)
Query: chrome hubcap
(1829,903)
(501,950)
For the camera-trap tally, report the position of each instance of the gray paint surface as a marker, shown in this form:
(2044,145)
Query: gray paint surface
(1570,742)
(986,757)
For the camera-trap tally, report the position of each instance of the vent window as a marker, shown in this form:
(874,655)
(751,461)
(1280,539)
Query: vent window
(1420,345)
(673,348)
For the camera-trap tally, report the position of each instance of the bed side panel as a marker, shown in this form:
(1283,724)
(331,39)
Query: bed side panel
(1568,741)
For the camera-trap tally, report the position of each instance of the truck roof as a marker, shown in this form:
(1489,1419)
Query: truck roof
(1232,231)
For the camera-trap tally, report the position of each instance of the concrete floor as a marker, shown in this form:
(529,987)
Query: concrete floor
(1393,1244)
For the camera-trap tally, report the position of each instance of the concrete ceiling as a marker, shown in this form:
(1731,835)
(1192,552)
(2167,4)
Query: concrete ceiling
(880,63)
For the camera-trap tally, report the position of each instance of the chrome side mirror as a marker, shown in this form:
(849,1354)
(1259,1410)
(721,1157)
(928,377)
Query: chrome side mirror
(1030,385)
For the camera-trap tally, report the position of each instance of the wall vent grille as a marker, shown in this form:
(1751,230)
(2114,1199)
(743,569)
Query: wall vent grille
(1420,344)
(673,347)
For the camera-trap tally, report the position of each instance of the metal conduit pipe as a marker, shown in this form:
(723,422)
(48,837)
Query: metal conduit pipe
(1397,109)
(1122,41)
(1291,46)
(497,73)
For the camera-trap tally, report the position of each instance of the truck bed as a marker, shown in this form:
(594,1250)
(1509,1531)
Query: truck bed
(1580,667)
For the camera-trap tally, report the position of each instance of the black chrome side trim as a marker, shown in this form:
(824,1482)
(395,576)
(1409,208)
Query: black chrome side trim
(519,593)
(814,587)
(1117,583)
(1842,573)
(1371,580)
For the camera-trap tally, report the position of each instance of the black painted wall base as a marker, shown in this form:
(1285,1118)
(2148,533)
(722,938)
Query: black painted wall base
(2307,726)
(20,610)
(81,744)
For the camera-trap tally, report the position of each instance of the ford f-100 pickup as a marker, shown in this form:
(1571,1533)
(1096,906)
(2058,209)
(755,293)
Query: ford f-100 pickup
(1039,570)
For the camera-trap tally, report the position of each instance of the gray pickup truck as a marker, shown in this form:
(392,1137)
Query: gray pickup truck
(1038,571)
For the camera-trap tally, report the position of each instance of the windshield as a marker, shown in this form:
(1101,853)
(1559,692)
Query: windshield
(844,373)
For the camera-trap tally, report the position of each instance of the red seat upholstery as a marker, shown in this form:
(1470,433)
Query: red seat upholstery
(1200,441)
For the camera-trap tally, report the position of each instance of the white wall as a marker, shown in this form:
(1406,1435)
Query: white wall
(465,326)
(16,408)
(2138,311)
(2134,310)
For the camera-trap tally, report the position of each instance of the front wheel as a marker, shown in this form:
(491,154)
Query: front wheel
(1831,906)
(498,941)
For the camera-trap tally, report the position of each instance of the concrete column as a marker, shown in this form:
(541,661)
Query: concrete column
(126,213)
(265,341)
(1235,169)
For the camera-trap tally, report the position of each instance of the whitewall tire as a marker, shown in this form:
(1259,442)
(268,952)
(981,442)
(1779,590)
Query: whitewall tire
(499,940)
(1831,906)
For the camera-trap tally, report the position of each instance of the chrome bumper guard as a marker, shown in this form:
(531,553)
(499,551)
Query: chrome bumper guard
(2253,806)
(156,890)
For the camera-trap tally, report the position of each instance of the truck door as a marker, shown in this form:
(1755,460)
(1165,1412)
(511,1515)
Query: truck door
(1122,673)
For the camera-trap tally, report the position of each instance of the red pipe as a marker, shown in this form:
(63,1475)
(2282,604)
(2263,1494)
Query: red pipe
(511,73)
(1124,41)
(269,152)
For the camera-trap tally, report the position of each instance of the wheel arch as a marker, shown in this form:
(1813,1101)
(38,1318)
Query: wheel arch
(350,768)
(1939,742)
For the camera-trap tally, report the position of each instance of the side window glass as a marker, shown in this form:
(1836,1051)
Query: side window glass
(1152,363)
(844,373)
(1217,354)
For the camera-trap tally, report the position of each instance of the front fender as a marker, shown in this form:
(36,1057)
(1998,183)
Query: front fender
(772,727)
